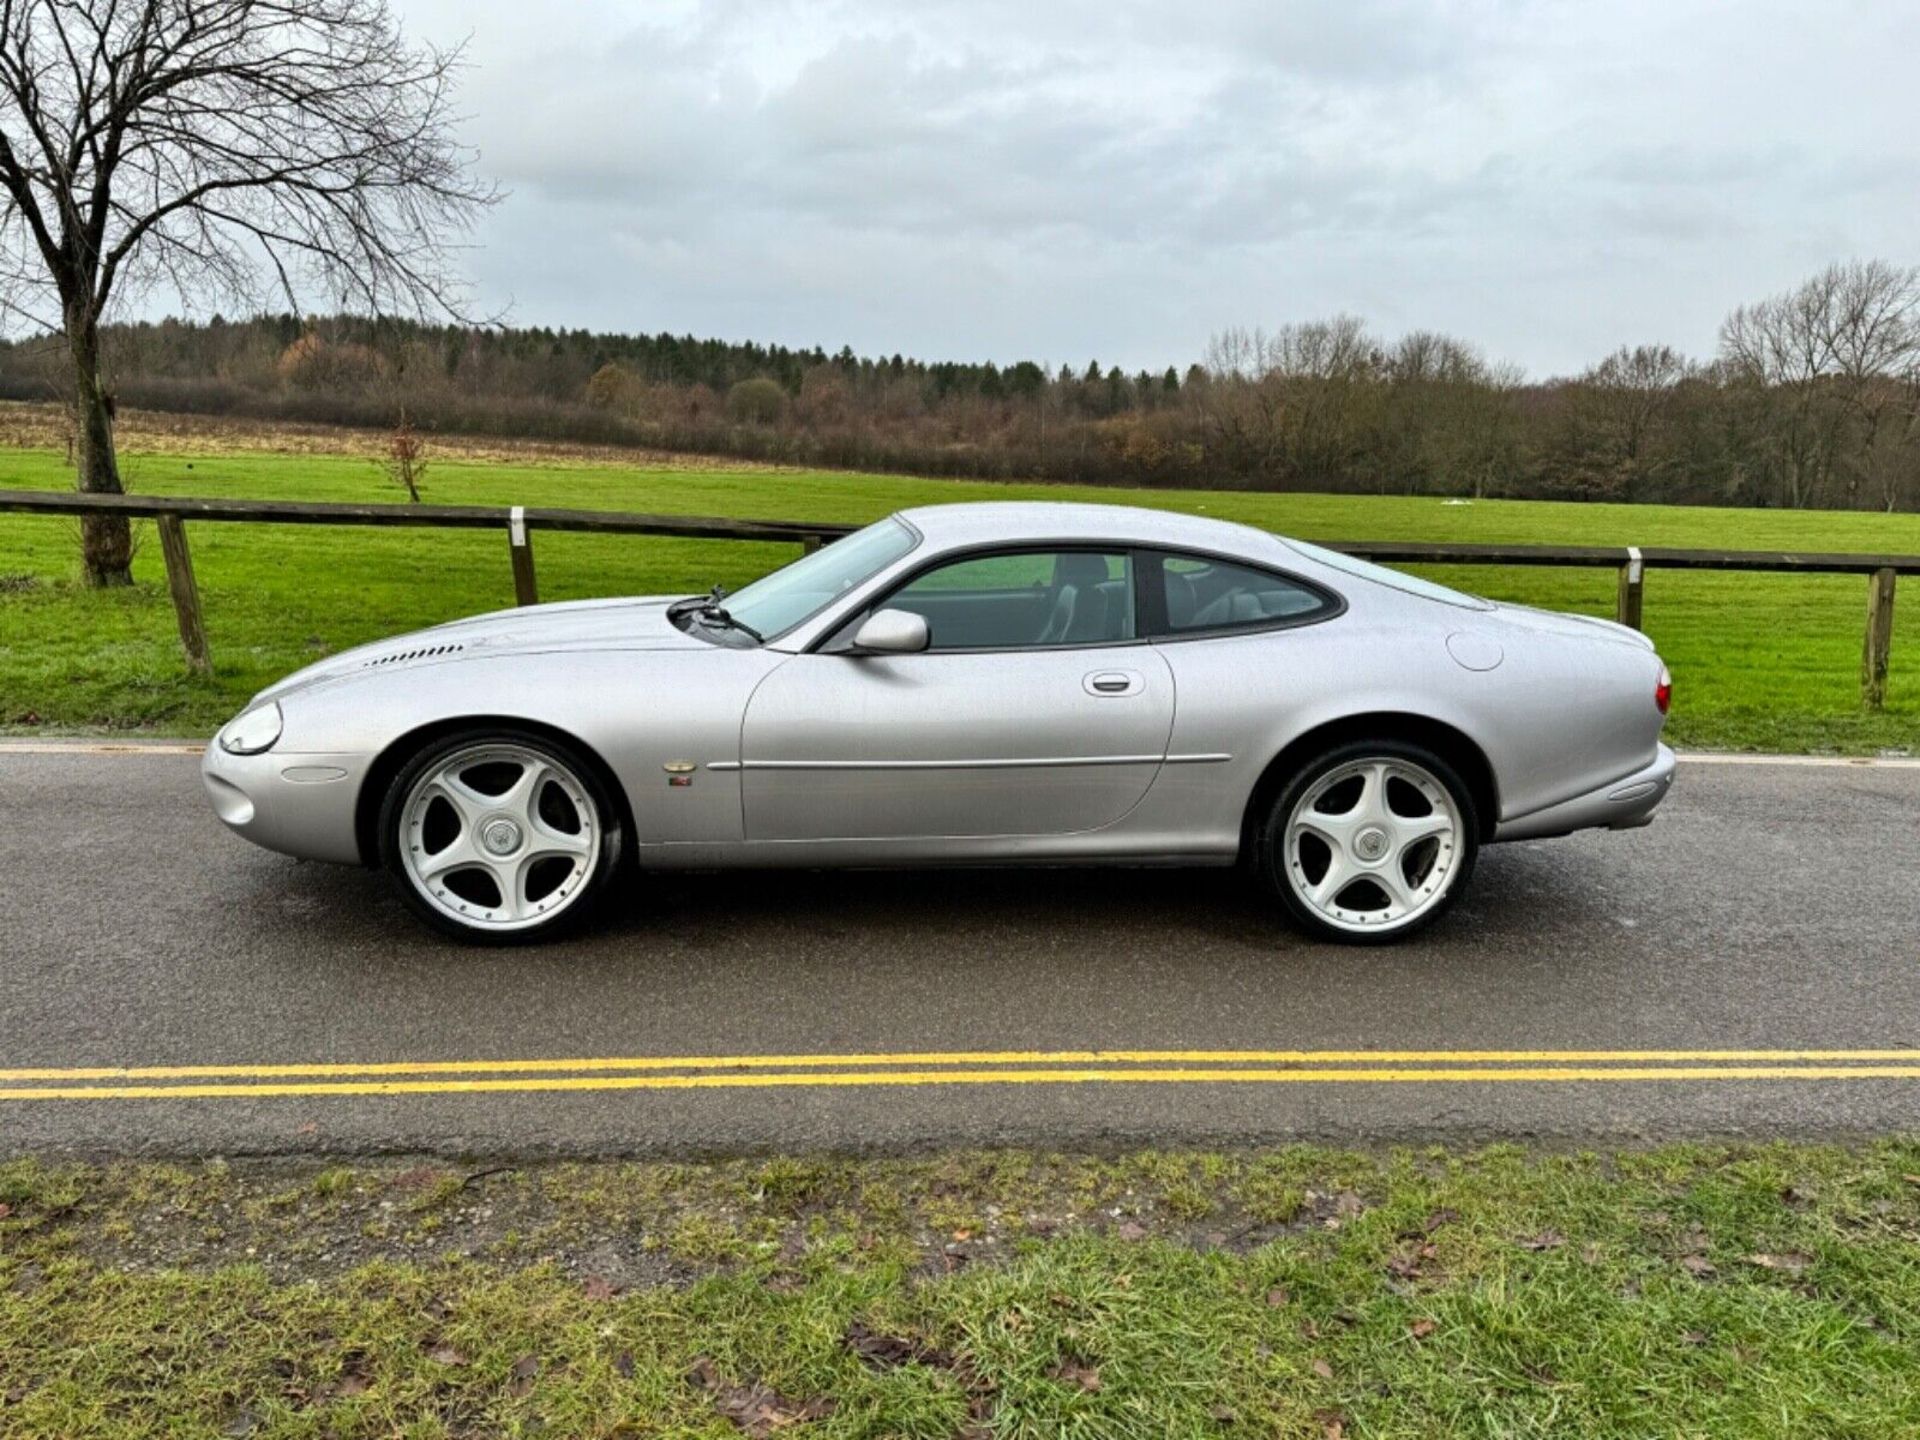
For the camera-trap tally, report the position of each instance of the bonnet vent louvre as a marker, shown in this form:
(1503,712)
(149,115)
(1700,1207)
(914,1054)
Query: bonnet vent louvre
(428,652)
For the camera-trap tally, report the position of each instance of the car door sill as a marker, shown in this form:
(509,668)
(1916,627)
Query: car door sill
(947,852)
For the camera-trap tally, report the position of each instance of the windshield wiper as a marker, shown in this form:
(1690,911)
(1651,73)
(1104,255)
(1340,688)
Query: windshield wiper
(720,617)
(708,607)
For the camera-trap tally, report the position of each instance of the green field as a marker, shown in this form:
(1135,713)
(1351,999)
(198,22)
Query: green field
(1760,662)
(1294,1294)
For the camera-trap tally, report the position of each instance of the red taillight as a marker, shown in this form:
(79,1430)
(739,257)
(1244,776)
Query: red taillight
(1663,690)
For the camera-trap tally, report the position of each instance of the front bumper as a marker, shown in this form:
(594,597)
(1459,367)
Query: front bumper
(299,804)
(1620,804)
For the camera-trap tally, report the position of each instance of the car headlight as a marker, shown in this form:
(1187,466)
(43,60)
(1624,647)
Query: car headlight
(252,732)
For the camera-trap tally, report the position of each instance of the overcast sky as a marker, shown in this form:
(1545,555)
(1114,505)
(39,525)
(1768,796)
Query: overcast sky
(1065,181)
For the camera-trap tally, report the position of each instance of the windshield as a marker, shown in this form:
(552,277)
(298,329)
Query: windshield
(776,603)
(1398,579)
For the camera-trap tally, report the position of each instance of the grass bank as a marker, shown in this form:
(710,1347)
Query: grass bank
(1762,662)
(1303,1292)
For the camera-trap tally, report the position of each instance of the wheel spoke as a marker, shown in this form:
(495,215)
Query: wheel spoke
(1372,803)
(1335,831)
(1327,888)
(544,843)
(511,878)
(524,904)
(1412,829)
(546,839)
(460,855)
(468,803)
(522,798)
(1393,883)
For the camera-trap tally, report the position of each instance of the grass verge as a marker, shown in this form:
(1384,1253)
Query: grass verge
(1770,1291)
(1762,662)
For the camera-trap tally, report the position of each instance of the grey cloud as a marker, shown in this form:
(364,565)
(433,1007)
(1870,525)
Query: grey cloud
(1544,177)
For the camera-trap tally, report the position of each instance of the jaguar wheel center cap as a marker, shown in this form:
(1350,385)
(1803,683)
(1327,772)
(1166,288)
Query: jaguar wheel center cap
(1371,844)
(500,837)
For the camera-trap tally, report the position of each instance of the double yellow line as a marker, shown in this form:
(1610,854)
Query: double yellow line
(964,1067)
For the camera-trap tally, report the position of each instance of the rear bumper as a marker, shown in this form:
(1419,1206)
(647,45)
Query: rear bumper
(301,805)
(1621,804)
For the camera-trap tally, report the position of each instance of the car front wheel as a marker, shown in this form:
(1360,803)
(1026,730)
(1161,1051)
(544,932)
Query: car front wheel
(1371,841)
(499,836)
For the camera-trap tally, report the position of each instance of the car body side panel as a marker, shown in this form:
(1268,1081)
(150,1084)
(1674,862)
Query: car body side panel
(1563,715)
(639,710)
(1244,698)
(1554,720)
(954,744)
(297,804)
(1622,803)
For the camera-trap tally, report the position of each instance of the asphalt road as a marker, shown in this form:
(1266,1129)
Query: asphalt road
(1655,983)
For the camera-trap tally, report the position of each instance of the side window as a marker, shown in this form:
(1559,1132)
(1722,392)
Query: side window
(1024,599)
(1208,594)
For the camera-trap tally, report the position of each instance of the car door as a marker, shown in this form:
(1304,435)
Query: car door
(1035,710)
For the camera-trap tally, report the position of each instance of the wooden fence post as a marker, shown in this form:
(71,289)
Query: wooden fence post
(1633,578)
(809,544)
(186,594)
(520,546)
(1879,646)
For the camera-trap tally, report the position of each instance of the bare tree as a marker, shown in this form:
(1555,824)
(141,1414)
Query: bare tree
(1450,420)
(1892,454)
(1820,361)
(203,147)
(1294,404)
(1625,401)
(404,461)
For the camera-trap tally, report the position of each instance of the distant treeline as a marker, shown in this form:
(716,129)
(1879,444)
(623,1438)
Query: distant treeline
(1813,400)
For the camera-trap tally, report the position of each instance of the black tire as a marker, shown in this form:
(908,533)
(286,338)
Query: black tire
(1278,870)
(604,845)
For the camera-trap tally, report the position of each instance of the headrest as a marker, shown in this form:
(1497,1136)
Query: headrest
(1180,598)
(1075,568)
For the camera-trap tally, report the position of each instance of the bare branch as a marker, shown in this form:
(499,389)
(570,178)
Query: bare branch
(204,144)
(211,143)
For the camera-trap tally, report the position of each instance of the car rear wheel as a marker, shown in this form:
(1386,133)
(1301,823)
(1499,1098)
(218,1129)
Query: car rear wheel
(1371,841)
(499,836)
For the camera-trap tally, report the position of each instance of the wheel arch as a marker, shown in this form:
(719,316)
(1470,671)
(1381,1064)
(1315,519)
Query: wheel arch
(1453,745)
(393,759)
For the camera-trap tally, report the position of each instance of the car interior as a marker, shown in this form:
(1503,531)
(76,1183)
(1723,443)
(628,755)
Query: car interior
(1017,601)
(1027,600)
(1211,594)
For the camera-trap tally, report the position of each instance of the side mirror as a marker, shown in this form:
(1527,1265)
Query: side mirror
(892,632)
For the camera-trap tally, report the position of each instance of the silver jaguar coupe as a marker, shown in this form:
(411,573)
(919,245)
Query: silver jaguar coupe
(965,684)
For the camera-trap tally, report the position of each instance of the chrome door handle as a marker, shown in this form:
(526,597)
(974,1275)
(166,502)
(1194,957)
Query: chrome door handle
(1111,684)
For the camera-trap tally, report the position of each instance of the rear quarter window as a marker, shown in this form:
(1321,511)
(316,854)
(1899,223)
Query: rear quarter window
(1208,595)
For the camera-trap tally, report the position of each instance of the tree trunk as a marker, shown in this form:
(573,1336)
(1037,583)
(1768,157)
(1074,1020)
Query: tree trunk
(106,542)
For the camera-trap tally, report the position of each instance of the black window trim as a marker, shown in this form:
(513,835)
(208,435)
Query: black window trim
(826,643)
(1150,582)
(1149,597)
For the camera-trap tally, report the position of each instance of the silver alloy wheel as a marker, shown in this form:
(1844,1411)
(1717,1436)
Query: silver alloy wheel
(1373,844)
(504,818)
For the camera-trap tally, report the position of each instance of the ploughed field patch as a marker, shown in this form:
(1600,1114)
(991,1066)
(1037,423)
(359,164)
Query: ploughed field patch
(1735,1291)
(1767,662)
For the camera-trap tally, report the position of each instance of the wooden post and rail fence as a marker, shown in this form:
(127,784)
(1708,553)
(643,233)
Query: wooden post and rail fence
(519,523)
